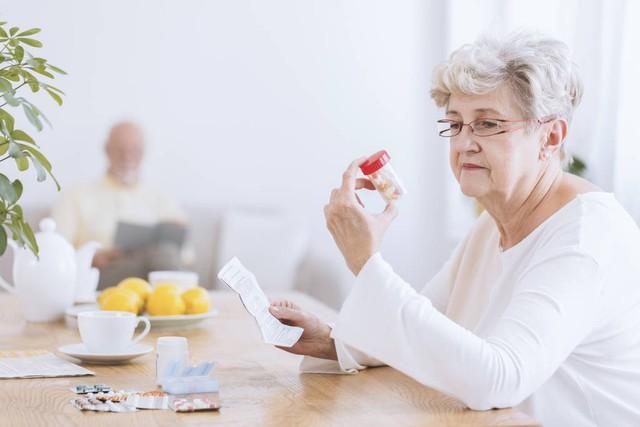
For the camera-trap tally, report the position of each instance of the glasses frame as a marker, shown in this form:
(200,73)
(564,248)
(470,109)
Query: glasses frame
(540,121)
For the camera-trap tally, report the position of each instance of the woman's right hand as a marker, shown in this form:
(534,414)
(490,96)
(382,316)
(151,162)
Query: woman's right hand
(104,257)
(316,339)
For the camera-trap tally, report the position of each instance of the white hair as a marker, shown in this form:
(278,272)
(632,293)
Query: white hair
(536,69)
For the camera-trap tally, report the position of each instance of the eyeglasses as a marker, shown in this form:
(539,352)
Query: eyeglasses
(485,127)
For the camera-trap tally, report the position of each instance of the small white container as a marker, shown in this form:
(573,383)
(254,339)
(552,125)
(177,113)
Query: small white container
(384,178)
(168,351)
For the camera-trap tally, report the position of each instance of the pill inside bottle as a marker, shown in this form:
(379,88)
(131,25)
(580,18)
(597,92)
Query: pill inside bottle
(382,175)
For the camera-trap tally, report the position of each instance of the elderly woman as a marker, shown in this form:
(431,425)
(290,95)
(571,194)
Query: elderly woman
(539,306)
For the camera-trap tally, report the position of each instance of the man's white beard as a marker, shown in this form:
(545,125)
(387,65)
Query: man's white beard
(129,177)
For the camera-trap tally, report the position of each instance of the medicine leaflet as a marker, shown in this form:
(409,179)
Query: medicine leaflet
(242,281)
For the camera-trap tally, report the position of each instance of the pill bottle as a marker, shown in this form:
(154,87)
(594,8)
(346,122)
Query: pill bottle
(384,178)
(170,350)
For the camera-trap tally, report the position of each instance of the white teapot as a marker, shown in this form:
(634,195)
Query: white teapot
(49,284)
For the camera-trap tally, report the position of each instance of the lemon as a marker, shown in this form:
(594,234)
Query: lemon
(121,300)
(105,293)
(166,287)
(196,300)
(165,301)
(137,285)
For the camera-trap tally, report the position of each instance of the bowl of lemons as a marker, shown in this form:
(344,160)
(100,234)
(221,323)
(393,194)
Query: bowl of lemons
(166,305)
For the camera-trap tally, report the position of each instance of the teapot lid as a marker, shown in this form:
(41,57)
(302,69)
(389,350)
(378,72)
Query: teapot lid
(51,242)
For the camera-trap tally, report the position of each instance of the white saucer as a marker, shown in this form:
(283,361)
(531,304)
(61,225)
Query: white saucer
(79,351)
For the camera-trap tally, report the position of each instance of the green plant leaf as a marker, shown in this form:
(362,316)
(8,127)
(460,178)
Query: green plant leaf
(3,33)
(5,85)
(7,192)
(12,75)
(30,42)
(3,240)
(31,80)
(37,112)
(54,95)
(577,166)
(15,233)
(39,160)
(18,53)
(29,32)
(4,146)
(30,238)
(44,72)
(8,96)
(13,31)
(21,231)
(17,187)
(34,85)
(53,88)
(56,69)
(7,120)
(32,117)
(37,154)
(20,135)
(22,163)
(41,173)
(35,61)
(14,150)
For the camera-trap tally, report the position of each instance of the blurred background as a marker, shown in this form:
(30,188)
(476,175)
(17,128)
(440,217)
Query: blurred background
(258,106)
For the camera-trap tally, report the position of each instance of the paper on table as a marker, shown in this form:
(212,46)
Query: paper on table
(37,364)
(241,280)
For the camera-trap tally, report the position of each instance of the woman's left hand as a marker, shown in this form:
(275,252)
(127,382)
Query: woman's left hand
(316,338)
(356,232)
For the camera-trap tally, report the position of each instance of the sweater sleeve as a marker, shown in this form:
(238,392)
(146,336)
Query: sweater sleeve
(351,360)
(551,311)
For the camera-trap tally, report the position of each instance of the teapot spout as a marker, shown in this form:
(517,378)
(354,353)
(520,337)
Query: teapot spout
(86,277)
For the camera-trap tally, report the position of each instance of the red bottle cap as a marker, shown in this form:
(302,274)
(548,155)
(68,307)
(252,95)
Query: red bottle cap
(375,162)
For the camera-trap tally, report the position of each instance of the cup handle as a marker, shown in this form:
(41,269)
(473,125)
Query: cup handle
(147,327)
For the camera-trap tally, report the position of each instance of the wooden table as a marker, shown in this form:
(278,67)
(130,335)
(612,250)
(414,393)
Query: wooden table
(260,385)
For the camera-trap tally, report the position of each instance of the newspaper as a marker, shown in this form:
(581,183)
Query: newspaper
(37,364)
(241,280)
(131,236)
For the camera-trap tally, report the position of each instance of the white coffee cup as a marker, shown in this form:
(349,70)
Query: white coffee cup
(184,279)
(110,332)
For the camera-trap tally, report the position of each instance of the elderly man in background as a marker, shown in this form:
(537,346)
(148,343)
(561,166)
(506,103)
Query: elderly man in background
(92,212)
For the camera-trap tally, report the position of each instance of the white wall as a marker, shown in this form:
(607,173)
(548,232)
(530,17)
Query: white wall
(253,102)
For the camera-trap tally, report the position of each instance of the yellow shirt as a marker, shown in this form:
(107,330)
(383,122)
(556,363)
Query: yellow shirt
(92,211)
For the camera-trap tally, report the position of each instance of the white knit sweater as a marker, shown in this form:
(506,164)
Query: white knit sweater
(551,325)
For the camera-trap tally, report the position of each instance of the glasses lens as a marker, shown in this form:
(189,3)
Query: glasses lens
(448,128)
(486,127)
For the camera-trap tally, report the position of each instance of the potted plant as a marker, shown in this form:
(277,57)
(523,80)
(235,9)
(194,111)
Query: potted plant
(21,71)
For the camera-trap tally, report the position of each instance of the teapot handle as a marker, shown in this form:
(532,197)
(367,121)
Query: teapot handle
(6,285)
